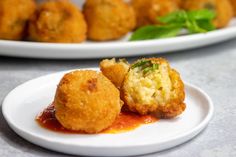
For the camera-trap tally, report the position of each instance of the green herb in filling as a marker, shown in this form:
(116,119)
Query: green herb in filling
(146,66)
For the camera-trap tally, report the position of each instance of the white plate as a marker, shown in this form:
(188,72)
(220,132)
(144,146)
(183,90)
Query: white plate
(119,48)
(22,105)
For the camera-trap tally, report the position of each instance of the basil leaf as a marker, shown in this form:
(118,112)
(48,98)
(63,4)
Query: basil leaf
(147,69)
(175,17)
(201,14)
(140,63)
(151,68)
(155,32)
(206,24)
(193,27)
(199,21)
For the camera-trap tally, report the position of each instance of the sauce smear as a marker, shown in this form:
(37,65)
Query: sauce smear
(126,121)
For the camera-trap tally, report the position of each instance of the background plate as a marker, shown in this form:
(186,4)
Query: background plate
(22,105)
(119,48)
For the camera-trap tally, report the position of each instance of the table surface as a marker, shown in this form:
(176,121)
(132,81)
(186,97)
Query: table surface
(212,68)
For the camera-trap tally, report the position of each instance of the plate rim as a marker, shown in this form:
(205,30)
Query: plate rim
(188,134)
(117,44)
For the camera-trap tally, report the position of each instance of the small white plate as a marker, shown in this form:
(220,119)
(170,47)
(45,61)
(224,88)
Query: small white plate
(118,48)
(22,105)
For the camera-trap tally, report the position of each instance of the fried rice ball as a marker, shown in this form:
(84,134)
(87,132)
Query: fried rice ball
(108,19)
(148,11)
(152,86)
(86,101)
(115,71)
(222,8)
(14,15)
(178,2)
(59,22)
(233,3)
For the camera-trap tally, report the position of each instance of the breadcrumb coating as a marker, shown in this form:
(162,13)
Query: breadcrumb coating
(148,11)
(108,19)
(57,21)
(233,3)
(86,101)
(14,15)
(115,71)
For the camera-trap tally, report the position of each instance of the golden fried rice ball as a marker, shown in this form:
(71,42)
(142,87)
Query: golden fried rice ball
(14,15)
(152,86)
(222,8)
(147,12)
(233,3)
(108,19)
(58,21)
(178,2)
(86,101)
(115,71)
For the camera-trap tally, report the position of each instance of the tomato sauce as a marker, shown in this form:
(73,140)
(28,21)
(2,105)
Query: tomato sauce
(126,121)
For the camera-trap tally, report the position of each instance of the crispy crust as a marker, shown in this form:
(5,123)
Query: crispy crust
(57,21)
(86,101)
(142,109)
(114,71)
(108,19)
(178,2)
(233,3)
(148,11)
(13,21)
(173,107)
(222,8)
(176,105)
(170,110)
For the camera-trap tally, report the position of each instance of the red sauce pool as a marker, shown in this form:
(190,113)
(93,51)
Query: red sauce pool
(126,121)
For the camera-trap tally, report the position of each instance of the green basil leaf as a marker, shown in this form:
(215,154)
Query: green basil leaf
(140,63)
(155,32)
(206,24)
(199,21)
(193,27)
(175,17)
(203,14)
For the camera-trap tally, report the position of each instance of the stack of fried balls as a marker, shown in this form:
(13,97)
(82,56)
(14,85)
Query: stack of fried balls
(61,21)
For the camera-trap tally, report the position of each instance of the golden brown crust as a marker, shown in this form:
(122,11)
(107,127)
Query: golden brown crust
(142,109)
(173,104)
(14,15)
(57,21)
(148,11)
(108,19)
(223,9)
(233,3)
(86,101)
(176,106)
(179,3)
(171,110)
(114,71)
